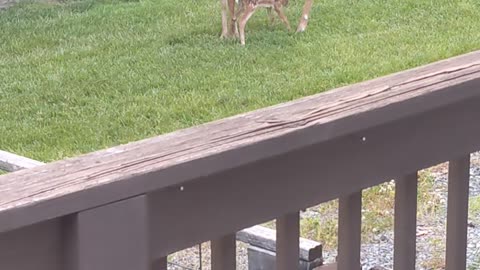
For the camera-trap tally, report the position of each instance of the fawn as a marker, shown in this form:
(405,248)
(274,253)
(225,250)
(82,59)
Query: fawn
(248,7)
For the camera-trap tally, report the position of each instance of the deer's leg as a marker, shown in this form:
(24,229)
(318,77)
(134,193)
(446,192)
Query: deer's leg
(233,18)
(271,18)
(224,19)
(279,9)
(238,14)
(249,10)
(305,16)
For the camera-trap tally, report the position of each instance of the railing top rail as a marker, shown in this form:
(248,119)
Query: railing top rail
(105,176)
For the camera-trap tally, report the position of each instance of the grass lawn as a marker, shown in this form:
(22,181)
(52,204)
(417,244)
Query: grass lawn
(85,75)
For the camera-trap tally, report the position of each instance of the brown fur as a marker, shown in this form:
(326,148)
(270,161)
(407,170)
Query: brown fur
(248,7)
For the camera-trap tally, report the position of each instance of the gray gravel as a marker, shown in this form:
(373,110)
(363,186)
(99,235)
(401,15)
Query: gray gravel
(379,252)
(189,259)
(430,231)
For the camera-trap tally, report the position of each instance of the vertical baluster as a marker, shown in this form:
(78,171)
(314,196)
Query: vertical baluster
(160,264)
(405,222)
(457,213)
(114,236)
(224,253)
(288,242)
(349,231)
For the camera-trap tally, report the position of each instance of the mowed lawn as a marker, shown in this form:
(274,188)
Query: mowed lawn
(85,75)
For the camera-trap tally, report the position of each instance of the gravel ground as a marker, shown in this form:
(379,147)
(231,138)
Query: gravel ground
(430,236)
(430,231)
(189,259)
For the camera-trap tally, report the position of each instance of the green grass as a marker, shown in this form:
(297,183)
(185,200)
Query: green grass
(84,75)
(81,76)
(474,209)
(378,204)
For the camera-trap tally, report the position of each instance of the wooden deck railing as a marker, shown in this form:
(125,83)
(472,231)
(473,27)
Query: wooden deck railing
(130,206)
(261,240)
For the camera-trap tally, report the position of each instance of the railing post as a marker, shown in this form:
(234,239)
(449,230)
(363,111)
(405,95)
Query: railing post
(224,253)
(160,264)
(457,213)
(288,242)
(114,236)
(405,222)
(349,231)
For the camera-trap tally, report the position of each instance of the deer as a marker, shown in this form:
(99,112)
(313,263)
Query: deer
(228,6)
(248,7)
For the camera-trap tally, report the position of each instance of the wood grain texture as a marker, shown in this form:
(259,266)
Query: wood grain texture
(256,193)
(102,177)
(265,238)
(10,162)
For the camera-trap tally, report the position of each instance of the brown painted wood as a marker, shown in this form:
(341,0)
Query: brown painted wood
(35,247)
(224,252)
(258,236)
(405,235)
(160,264)
(102,177)
(457,213)
(349,231)
(266,238)
(114,236)
(288,244)
(322,172)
